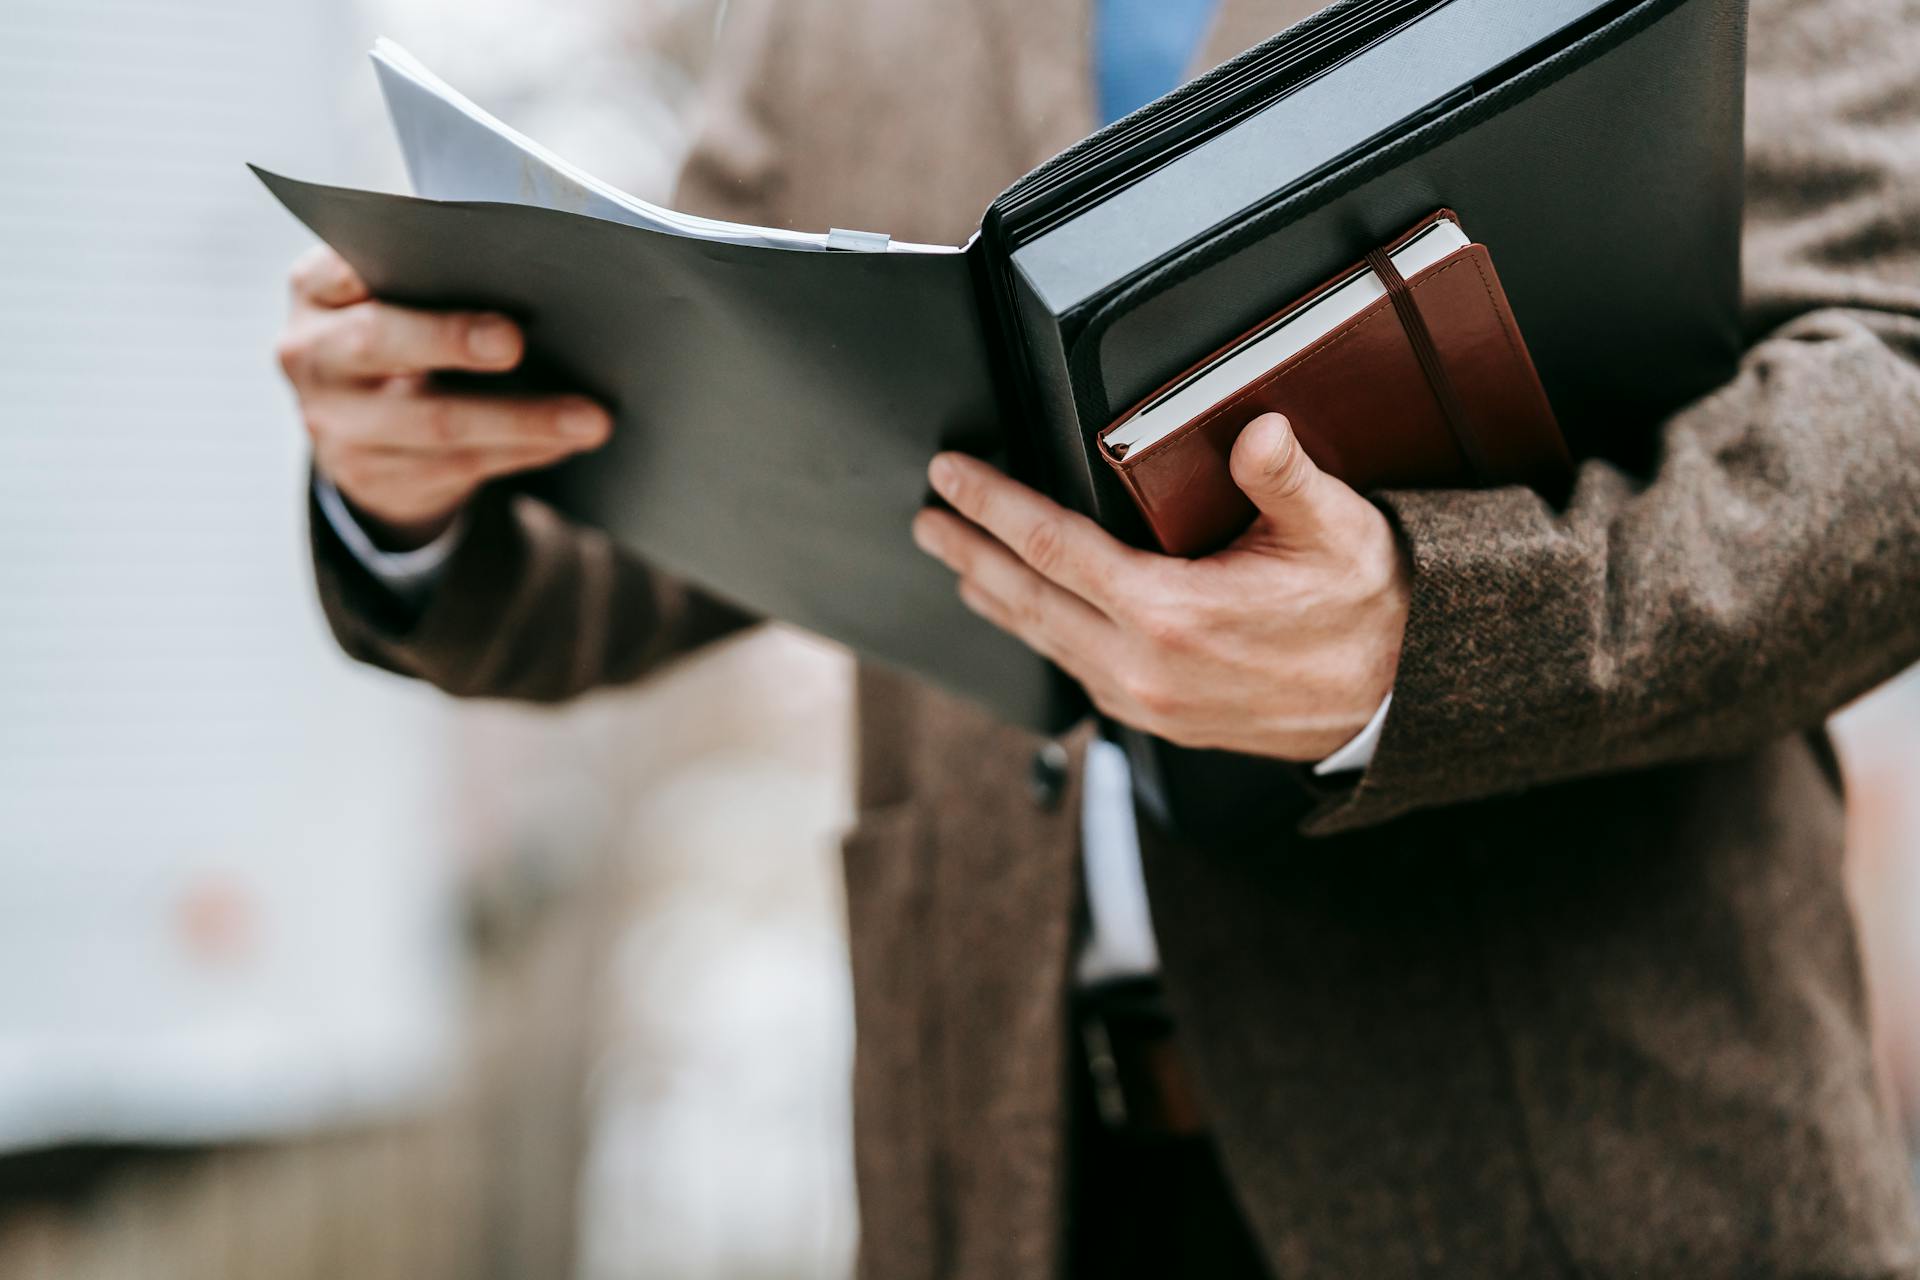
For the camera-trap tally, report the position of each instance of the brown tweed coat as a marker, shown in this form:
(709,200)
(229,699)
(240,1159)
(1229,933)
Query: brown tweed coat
(1566,984)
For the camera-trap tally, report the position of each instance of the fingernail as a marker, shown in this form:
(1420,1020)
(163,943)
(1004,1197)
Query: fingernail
(583,423)
(943,472)
(492,339)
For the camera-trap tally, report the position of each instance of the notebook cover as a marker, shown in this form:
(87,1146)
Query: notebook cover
(1364,411)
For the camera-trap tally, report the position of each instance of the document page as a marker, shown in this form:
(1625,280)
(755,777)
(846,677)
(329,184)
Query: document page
(456,150)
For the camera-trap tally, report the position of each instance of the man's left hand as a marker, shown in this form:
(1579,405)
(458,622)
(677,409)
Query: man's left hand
(1283,644)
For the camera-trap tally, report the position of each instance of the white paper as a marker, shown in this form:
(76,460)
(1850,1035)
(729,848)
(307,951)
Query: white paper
(455,150)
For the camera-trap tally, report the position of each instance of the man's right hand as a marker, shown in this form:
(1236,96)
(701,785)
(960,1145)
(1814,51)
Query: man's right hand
(408,456)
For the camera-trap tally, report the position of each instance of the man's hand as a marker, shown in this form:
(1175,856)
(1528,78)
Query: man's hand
(409,457)
(1281,645)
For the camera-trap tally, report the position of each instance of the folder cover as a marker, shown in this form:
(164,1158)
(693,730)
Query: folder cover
(777,395)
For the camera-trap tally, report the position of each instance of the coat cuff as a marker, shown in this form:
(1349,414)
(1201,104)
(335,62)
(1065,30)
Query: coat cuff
(1472,629)
(410,575)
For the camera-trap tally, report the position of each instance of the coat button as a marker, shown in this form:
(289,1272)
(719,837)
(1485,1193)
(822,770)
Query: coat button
(1047,777)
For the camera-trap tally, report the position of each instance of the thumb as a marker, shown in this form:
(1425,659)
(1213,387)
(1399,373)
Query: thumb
(1295,498)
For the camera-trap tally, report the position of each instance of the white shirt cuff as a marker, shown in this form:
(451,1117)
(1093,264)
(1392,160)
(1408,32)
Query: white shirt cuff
(1120,943)
(410,575)
(1357,754)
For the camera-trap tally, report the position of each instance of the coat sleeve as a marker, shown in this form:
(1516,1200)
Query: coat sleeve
(531,607)
(1767,571)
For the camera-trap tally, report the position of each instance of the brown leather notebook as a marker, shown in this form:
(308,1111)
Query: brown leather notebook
(1404,371)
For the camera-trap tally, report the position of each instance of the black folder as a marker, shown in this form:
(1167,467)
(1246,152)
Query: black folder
(776,407)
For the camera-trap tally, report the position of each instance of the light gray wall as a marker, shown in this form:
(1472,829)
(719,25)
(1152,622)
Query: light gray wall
(222,887)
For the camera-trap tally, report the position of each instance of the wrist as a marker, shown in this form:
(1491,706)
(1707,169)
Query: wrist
(403,535)
(395,531)
(410,575)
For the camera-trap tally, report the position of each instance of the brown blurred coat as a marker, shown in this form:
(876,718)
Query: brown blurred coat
(1566,984)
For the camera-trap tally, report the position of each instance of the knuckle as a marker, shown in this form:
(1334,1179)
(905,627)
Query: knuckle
(1164,625)
(1141,686)
(308,271)
(362,336)
(438,420)
(1144,692)
(293,353)
(463,464)
(1107,701)
(449,334)
(1290,467)
(1161,700)
(1044,546)
(1027,610)
(321,277)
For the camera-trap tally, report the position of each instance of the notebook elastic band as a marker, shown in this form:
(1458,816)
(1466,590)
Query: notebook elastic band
(1451,408)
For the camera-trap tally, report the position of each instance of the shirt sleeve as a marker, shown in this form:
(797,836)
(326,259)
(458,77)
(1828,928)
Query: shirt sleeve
(1358,753)
(410,575)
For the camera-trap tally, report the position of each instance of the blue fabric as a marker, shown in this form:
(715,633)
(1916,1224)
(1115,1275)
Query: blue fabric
(1142,48)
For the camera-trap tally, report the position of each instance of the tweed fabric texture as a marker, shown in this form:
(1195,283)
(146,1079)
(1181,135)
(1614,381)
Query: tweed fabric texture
(1566,984)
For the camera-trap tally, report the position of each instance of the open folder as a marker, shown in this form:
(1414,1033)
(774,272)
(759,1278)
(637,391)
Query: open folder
(778,394)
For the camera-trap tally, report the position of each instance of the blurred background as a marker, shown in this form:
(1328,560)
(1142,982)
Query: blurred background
(308,972)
